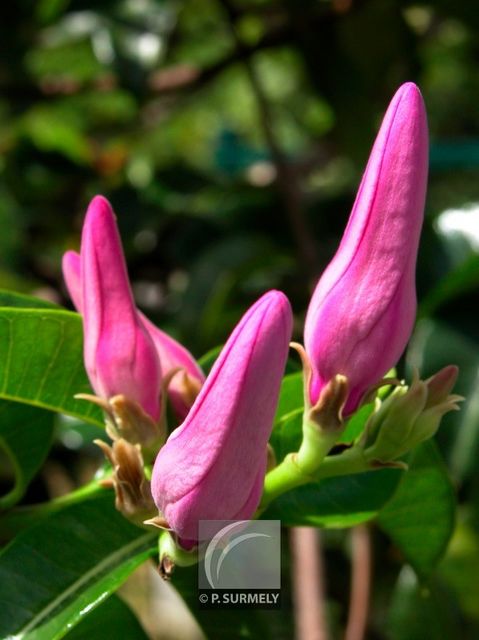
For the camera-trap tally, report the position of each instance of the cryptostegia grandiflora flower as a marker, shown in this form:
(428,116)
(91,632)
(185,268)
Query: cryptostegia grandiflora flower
(107,258)
(363,308)
(213,465)
(119,354)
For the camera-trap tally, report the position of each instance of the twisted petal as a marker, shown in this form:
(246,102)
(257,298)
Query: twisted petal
(213,465)
(363,309)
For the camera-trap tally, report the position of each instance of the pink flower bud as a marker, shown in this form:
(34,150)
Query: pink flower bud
(363,309)
(120,357)
(213,465)
(170,352)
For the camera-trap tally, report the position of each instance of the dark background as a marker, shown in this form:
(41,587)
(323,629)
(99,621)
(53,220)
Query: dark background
(230,138)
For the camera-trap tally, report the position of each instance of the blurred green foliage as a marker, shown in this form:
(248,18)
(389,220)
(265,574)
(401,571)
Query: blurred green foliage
(230,138)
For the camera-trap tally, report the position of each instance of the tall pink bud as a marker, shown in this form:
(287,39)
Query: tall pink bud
(119,354)
(184,386)
(363,308)
(213,465)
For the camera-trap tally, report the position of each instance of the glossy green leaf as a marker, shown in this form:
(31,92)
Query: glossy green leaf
(287,429)
(287,433)
(290,396)
(57,571)
(41,361)
(420,517)
(111,619)
(336,502)
(25,437)
(22,301)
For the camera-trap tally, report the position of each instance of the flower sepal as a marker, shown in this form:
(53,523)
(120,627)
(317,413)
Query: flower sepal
(401,421)
(171,554)
(132,489)
(409,415)
(322,422)
(125,419)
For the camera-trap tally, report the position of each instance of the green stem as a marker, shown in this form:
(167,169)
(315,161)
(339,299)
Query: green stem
(288,474)
(20,518)
(317,442)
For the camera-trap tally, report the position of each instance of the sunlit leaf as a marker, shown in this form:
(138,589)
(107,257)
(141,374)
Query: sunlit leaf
(41,361)
(22,301)
(112,619)
(57,571)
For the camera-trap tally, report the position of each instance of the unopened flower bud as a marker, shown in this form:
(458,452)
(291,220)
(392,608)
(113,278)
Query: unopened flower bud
(409,416)
(120,357)
(184,386)
(363,308)
(213,465)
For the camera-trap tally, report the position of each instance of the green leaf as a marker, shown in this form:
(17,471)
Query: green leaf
(23,517)
(417,613)
(287,433)
(234,624)
(290,395)
(420,517)
(287,429)
(112,619)
(41,361)
(21,301)
(25,436)
(460,567)
(336,502)
(54,573)
(356,424)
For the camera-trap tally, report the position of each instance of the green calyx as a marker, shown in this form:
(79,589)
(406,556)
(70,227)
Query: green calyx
(401,421)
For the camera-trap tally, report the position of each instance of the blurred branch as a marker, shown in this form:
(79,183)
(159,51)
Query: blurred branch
(360,583)
(308,584)
(286,177)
